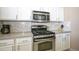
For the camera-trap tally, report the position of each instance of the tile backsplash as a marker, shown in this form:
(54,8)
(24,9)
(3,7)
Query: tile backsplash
(19,26)
(52,26)
(47,24)
(26,26)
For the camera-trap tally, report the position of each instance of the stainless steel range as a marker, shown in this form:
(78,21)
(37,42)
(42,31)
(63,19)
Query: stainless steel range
(43,39)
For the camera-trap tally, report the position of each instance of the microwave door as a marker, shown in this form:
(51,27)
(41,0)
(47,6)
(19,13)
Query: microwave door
(35,16)
(39,17)
(43,17)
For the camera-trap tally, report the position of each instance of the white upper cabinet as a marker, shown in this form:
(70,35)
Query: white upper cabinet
(53,14)
(8,13)
(35,8)
(24,13)
(46,9)
(57,14)
(60,14)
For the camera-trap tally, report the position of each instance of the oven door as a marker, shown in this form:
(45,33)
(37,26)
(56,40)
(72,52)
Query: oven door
(44,44)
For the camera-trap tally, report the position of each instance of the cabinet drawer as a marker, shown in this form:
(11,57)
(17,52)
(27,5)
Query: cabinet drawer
(24,48)
(6,42)
(7,48)
(23,40)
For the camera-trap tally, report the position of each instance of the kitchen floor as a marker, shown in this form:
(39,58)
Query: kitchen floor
(71,50)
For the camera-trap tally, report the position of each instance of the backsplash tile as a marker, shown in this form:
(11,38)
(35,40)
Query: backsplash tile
(26,26)
(52,26)
(19,26)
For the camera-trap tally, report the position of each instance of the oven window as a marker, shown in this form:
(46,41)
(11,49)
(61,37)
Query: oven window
(45,46)
(39,17)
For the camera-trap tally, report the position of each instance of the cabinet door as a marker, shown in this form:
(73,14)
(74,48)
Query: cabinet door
(67,40)
(24,13)
(46,9)
(8,13)
(64,41)
(58,42)
(57,14)
(6,45)
(24,47)
(60,14)
(24,44)
(36,8)
(7,48)
(53,12)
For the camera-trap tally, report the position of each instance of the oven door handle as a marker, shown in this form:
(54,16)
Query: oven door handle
(41,40)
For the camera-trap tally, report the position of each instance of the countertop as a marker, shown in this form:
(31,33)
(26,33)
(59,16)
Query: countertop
(16,35)
(23,34)
(58,32)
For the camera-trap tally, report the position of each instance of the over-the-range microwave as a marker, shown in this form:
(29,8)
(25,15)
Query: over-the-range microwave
(41,16)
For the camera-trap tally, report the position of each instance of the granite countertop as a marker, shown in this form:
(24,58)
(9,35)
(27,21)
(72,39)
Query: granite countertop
(16,35)
(23,34)
(58,32)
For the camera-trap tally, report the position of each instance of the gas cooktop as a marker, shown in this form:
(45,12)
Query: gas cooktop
(35,33)
(40,30)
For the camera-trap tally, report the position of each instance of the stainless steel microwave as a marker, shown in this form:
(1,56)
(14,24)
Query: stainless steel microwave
(41,16)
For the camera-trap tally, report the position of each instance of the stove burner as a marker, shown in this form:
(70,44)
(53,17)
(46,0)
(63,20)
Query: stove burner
(42,33)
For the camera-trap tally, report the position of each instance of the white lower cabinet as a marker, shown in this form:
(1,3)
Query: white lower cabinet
(62,41)
(7,45)
(58,42)
(17,44)
(24,44)
(8,13)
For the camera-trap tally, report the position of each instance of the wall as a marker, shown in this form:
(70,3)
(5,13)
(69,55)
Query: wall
(72,14)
